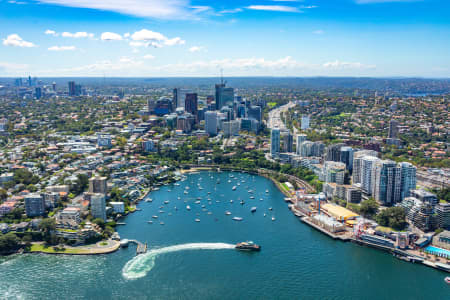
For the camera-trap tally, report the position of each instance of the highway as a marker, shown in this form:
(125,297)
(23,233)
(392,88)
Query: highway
(274,119)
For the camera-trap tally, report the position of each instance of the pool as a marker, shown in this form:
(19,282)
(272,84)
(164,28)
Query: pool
(438,251)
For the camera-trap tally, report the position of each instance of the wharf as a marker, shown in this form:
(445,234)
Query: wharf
(323,230)
(141,248)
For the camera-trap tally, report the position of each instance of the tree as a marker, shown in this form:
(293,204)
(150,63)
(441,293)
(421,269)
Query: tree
(99,222)
(47,226)
(393,217)
(8,242)
(368,208)
(3,194)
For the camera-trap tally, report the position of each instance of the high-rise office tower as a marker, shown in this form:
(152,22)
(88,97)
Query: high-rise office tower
(288,141)
(72,88)
(179,97)
(254,112)
(224,96)
(211,122)
(191,105)
(393,129)
(275,142)
(38,92)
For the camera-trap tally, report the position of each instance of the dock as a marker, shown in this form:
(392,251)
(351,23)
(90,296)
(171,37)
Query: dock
(141,248)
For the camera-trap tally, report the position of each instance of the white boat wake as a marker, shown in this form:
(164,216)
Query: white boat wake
(142,264)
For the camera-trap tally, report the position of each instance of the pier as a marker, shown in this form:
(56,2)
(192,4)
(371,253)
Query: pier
(141,248)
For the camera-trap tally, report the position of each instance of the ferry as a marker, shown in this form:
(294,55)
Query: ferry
(247,246)
(253,209)
(188,207)
(237,219)
(228,213)
(233,188)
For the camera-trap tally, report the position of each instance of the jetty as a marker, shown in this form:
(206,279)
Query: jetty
(140,249)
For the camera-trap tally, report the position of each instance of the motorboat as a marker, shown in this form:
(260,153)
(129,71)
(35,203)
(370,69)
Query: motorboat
(197,202)
(228,213)
(237,219)
(447,279)
(264,215)
(233,188)
(155,217)
(231,201)
(150,222)
(188,207)
(270,208)
(252,197)
(242,202)
(166,202)
(253,209)
(161,223)
(197,220)
(248,246)
(267,191)
(273,218)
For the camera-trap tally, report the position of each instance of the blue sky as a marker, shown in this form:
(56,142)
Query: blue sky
(242,37)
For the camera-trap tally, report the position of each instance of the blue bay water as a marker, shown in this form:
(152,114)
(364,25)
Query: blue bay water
(195,260)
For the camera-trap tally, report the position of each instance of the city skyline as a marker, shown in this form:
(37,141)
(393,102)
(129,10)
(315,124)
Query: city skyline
(375,38)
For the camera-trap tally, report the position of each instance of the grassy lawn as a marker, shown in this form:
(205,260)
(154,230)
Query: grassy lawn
(285,187)
(50,249)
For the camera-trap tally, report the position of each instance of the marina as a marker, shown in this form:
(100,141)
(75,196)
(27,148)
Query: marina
(173,255)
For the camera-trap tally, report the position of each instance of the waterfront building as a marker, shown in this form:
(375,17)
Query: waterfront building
(357,163)
(442,240)
(34,205)
(367,164)
(300,139)
(211,122)
(97,184)
(408,180)
(70,214)
(353,195)
(443,215)
(386,182)
(118,207)
(419,213)
(98,206)
(304,122)
(275,142)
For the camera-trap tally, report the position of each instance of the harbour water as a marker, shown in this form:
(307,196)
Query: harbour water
(196,260)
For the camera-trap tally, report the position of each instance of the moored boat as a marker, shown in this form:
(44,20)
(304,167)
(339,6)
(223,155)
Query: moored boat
(237,219)
(253,209)
(447,279)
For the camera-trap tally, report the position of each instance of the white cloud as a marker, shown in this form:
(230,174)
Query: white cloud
(51,32)
(196,49)
(231,11)
(147,35)
(16,41)
(318,31)
(126,35)
(62,48)
(77,35)
(149,56)
(150,38)
(347,65)
(174,41)
(8,68)
(280,8)
(166,9)
(383,1)
(110,36)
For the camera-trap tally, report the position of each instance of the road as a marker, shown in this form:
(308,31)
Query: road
(274,120)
